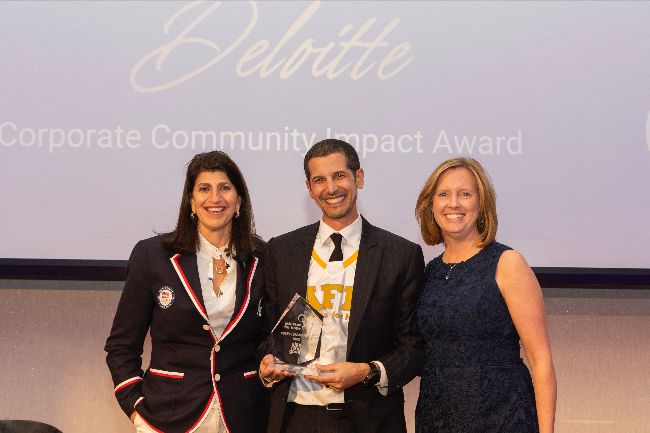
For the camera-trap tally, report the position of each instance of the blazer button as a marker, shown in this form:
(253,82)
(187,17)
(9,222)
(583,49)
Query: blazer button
(206,327)
(217,378)
(217,348)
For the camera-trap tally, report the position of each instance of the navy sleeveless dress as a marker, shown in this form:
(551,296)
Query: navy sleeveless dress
(473,380)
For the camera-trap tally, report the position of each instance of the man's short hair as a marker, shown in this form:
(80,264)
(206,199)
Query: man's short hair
(329,146)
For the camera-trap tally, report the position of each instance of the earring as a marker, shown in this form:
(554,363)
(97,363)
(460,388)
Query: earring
(193,216)
(237,213)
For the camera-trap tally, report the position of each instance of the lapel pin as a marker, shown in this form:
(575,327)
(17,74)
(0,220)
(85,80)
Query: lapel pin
(165,297)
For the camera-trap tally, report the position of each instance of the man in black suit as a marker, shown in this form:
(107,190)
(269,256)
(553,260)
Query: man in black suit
(366,282)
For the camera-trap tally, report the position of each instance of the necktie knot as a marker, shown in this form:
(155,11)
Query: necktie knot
(337,254)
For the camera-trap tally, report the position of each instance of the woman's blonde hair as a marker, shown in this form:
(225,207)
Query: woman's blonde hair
(487,221)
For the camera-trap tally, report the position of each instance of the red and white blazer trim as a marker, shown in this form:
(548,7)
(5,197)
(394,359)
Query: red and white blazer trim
(199,421)
(188,288)
(165,373)
(149,425)
(244,305)
(137,402)
(249,374)
(127,382)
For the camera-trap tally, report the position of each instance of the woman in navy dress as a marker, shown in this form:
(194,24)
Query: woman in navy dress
(479,301)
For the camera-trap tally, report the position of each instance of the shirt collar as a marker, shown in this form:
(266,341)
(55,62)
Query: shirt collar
(205,247)
(351,233)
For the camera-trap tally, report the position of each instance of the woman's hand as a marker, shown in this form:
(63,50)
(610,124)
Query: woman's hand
(270,375)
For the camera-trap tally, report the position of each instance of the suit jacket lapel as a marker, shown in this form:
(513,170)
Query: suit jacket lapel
(245,273)
(299,258)
(368,264)
(188,272)
(240,290)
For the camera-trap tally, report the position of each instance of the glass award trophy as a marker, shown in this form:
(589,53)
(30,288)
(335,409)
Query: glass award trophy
(296,338)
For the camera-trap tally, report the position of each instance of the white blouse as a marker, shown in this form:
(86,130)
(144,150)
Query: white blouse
(219,309)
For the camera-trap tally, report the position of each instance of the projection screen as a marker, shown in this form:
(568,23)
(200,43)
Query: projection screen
(103,104)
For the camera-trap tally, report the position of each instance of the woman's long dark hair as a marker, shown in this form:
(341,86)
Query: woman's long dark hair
(185,237)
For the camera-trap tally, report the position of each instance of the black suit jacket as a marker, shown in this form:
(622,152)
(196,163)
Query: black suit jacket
(382,327)
(189,365)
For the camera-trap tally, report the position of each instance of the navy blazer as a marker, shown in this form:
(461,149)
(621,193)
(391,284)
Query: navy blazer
(382,327)
(190,365)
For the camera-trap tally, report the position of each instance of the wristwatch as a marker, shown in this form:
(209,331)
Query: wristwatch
(373,377)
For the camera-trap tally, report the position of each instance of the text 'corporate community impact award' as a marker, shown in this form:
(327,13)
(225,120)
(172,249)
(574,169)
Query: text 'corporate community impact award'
(295,339)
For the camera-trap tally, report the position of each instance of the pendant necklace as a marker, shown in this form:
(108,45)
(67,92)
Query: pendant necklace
(218,267)
(451,268)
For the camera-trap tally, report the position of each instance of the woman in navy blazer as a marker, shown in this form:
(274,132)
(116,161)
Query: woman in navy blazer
(199,292)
